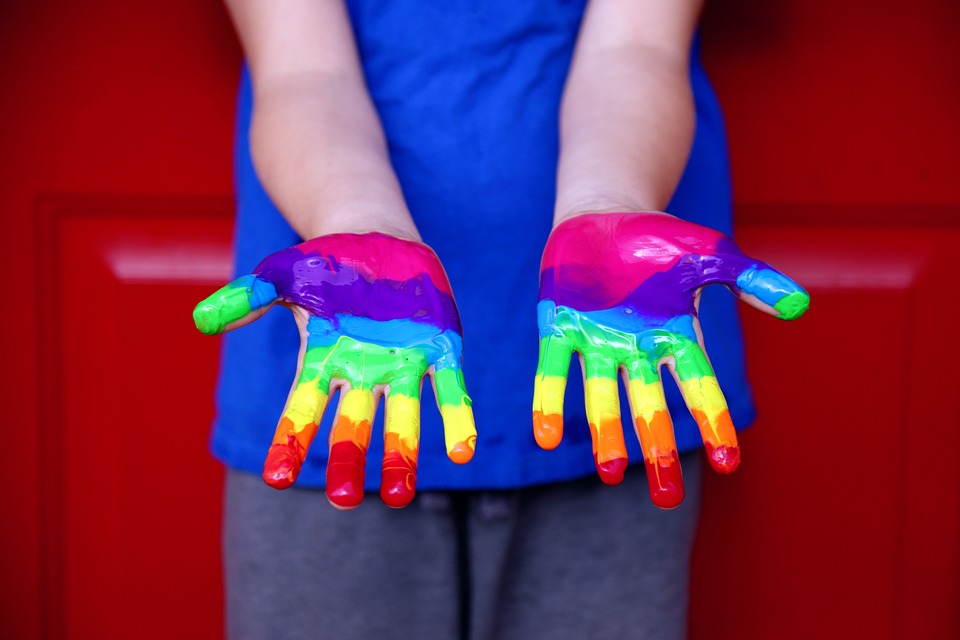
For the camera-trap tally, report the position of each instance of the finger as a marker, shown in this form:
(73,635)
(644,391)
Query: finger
(765,288)
(349,441)
(459,428)
(706,403)
(401,443)
(756,283)
(549,387)
(651,421)
(550,384)
(238,303)
(602,401)
(298,425)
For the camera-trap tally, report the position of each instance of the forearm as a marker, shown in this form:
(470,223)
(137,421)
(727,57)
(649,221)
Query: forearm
(317,143)
(627,116)
(320,153)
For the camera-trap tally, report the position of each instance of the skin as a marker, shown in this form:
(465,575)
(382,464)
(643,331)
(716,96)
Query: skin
(376,315)
(622,291)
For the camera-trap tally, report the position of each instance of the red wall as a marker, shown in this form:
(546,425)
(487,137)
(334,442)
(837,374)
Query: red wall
(845,515)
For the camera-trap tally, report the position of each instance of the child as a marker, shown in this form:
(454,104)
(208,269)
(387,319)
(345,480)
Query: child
(380,131)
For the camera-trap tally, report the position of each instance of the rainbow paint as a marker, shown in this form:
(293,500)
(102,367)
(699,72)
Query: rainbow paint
(621,290)
(380,315)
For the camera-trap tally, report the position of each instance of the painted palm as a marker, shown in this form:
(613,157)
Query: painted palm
(622,290)
(376,315)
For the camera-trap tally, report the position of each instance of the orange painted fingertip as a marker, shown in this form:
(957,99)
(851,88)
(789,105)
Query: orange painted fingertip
(462,452)
(547,429)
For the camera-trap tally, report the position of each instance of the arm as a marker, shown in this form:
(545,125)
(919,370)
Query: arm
(620,281)
(316,141)
(627,117)
(373,304)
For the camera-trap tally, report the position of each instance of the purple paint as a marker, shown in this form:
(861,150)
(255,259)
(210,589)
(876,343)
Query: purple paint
(608,260)
(326,286)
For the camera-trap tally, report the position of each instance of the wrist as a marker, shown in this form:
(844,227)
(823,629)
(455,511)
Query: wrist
(601,207)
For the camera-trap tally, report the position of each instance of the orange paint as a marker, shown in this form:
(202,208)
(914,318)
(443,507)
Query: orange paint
(462,452)
(547,429)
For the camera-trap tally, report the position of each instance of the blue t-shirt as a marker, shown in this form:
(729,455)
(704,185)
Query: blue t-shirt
(468,92)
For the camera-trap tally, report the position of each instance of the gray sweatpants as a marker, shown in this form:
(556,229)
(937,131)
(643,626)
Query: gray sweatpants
(573,560)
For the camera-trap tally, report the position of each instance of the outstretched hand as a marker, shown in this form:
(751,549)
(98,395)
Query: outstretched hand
(622,290)
(376,314)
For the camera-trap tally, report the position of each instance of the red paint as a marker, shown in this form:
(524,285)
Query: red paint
(611,471)
(398,480)
(666,481)
(345,474)
(723,458)
(283,462)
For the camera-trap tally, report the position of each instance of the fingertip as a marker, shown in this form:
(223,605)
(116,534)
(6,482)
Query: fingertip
(397,494)
(282,466)
(547,429)
(206,317)
(724,458)
(665,479)
(611,471)
(462,452)
(793,305)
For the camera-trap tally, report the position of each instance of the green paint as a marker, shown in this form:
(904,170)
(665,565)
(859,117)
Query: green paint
(233,302)
(451,390)
(605,350)
(793,305)
(365,365)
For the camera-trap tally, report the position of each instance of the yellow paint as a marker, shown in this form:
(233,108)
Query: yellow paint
(548,394)
(603,414)
(358,405)
(709,408)
(602,400)
(306,406)
(460,431)
(703,394)
(403,419)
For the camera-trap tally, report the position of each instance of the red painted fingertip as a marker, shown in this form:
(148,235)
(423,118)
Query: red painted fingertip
(283,462)
(611,471)
(345,473)
(399,480)
(666,482)
(723,458)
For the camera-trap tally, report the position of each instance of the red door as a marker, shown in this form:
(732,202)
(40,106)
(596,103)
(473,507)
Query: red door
(844,518)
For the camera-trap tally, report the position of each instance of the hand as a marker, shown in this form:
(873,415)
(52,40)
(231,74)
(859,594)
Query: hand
(622,290)
(376,314)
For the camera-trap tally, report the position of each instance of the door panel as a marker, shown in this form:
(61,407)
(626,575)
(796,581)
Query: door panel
(842,519)
(131,494)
